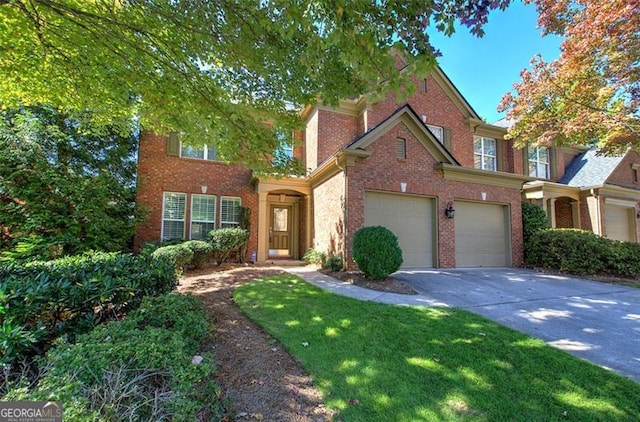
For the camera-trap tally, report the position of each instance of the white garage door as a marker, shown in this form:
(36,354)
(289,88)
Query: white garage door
(482,235)
(618,223)
(410,218)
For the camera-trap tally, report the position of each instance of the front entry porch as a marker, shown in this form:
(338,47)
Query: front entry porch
(284,218)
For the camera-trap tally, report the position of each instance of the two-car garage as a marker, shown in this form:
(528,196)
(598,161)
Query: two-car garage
(482,237)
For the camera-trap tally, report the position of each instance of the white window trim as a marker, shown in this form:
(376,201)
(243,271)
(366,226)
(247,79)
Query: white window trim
(538,162)
(483,154)
(192,220)
(437,131)
(183,220)
(234,198)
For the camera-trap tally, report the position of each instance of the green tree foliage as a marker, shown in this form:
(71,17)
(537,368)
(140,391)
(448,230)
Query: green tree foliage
(216,70)
(591,93)
(64,186)
(534,219)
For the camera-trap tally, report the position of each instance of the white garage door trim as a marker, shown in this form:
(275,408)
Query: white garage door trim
(411,219)
(482,234)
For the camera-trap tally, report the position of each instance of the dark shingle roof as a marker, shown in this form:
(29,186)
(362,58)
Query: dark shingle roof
(590,169)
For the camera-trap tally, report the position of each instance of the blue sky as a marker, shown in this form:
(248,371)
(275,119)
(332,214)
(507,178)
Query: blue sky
(483,69)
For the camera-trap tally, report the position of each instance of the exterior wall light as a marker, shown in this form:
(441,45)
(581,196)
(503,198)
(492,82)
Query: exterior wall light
(449,212)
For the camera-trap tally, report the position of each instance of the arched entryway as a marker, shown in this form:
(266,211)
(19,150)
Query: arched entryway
(284,215)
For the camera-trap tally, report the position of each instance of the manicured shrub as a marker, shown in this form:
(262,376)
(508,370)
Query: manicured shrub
(146,367)
(178,255)
(43,300)
(583,253)
(225,241)
(376,251)
(202,252)
(150,247)
(623,259)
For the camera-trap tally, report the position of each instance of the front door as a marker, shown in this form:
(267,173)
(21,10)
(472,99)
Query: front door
(280,230)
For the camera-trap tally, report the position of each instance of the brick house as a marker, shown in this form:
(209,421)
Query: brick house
(404,166)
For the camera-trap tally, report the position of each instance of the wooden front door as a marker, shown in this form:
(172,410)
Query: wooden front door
(280,230)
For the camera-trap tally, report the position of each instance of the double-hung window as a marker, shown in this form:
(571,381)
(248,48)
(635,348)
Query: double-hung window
(203,216)
(230,212)
(438,132)
(174,206)
(539,162)
(284,152)
(206,152)
(484,153)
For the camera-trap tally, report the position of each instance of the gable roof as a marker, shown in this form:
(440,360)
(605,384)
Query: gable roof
(590,169)
(409,117)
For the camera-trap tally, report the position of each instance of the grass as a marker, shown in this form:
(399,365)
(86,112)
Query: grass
(376,362)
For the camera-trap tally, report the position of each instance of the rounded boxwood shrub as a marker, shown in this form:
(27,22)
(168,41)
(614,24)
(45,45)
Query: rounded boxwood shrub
(226,240)
(178,255)
(202,252)
(376,251)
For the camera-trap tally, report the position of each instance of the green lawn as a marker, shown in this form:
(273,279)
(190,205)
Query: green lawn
(378,362)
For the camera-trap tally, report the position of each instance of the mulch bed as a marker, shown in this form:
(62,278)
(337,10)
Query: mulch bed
(262,380)
(388,285)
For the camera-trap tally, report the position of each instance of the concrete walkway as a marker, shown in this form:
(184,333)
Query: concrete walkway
(595,321)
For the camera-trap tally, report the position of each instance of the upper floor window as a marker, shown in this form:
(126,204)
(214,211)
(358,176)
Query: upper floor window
(539,162)
(230,212)
(484,153)
(438,132)
(284,152)
(206,152)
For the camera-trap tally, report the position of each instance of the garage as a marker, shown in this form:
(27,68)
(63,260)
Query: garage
(619,223)
(482,235)
(410,218)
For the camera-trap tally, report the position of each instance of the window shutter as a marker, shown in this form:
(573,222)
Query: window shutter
(173,144)
(447,138)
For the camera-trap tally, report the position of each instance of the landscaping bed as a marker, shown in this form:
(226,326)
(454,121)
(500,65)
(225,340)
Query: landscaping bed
(262,380)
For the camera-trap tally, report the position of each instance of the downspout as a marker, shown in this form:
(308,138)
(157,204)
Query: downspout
(344,213)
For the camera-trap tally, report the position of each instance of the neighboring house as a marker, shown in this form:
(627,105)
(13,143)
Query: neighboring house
(446,183)
(593,192)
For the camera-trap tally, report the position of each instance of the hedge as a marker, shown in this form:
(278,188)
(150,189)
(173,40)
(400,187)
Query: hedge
(40,301)
(582,252)
(145,367)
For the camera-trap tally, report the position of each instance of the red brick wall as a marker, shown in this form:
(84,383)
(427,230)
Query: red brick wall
(383,171)
(328,228)
(623,175)
(158,172)
(335,130)
(440,111)
(564,213)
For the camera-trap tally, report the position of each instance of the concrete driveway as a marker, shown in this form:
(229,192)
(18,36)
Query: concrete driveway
(595,321)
